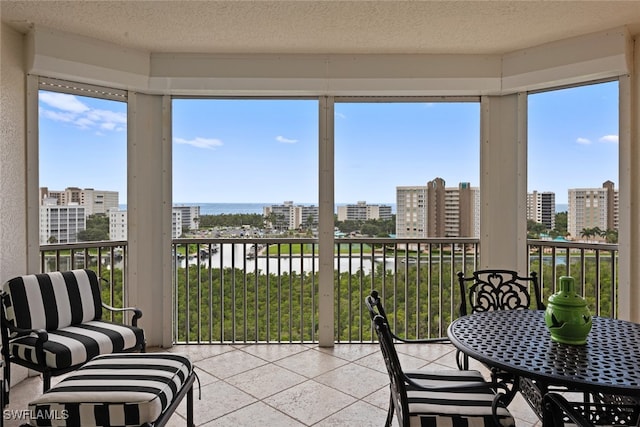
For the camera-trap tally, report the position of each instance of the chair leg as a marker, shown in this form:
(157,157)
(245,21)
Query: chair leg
(6,384)
(46,381)
(390,413)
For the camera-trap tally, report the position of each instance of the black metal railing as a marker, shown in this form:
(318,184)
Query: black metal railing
(106,258)
(266,289)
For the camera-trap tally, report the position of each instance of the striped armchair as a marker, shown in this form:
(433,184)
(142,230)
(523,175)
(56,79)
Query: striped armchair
(52,323)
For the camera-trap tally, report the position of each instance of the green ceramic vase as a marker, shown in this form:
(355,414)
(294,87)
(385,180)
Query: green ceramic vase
(567,316)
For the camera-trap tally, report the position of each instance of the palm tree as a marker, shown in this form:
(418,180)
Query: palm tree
(611,235)
(586,232)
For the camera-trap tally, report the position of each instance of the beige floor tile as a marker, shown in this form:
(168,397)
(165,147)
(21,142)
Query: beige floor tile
(354,380)
(271,353)
(311,363)
(230,363)
(379,398)
(257,414)
(200,352)
(218,399)
(359,414)
(265,380)
(351,352)
(309,402)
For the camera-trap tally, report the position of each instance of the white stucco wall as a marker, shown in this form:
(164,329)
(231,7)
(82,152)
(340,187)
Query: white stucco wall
(13,228)
(12,156)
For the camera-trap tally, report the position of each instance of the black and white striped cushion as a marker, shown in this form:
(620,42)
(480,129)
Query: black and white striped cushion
(114,390)
(68,306)
(74,345)
(53,300)
(468,408)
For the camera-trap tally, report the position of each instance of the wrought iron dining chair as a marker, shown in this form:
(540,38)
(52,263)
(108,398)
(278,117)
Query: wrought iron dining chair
(374,300)
(495,289)
(439,397)
(604,410)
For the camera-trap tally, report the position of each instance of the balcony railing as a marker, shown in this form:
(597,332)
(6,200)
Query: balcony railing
(266,289)
(106,258)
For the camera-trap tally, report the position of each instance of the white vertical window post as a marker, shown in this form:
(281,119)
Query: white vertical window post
(503,182)
(326,171)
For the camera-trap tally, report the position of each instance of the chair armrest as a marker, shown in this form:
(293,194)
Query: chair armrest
(137,313)
(443,340)
(15,332)
(556,408)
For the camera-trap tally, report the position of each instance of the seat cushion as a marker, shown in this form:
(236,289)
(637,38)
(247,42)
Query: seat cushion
(114,390)
(75,345)
(462,407)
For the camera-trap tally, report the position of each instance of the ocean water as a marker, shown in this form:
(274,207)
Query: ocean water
(229,208)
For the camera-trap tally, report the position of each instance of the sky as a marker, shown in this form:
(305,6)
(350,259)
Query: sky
(265,151)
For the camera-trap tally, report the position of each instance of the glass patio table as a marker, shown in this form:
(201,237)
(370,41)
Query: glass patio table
(518,342)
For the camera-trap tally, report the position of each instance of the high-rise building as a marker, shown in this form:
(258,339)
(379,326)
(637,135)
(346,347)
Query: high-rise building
(437,211)
(592,207)
(118,224)
(289,216)
(362,211)
(541,207)
(411,213)
(61,224)
(94,201)
(190,216)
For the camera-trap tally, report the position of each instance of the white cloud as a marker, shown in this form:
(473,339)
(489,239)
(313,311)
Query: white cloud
(284,140)
(69,109)
(584,141)
(340,115)
(198,142)
(57,116)
(609,138)
(84,123)
(64,102)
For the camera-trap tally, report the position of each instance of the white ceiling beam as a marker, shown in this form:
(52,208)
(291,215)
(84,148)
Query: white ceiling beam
(565,62)
(71,57)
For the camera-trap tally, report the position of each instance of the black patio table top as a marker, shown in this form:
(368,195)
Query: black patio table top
(518,341)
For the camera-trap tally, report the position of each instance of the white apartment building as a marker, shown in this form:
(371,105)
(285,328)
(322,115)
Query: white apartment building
(592,207)
(411,214)
(190,216)
(289,216)
(363,211)
(541,208)
(437,211)
(94,201)
(61,224)
(118,224)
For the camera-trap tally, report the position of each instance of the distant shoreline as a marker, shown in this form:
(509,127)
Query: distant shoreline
(230,208)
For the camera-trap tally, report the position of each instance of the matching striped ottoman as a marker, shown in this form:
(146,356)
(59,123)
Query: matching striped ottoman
(130,389)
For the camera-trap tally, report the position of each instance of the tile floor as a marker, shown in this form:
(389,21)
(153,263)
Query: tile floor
(292,384)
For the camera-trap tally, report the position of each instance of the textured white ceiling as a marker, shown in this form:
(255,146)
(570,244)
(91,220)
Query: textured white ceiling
(457,27)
